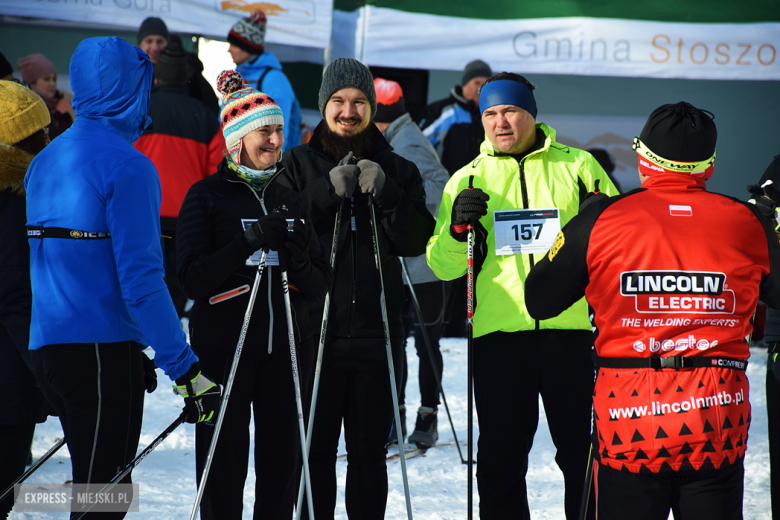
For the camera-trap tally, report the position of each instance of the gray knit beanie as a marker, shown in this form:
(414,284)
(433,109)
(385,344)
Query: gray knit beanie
(150,26)
(475,69)
(347,72)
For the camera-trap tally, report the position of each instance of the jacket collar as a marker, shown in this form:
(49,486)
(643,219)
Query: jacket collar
(674,181)
(396,126)
(456,94)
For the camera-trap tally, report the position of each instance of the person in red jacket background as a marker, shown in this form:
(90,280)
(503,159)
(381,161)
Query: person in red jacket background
(673,274)
(184,143)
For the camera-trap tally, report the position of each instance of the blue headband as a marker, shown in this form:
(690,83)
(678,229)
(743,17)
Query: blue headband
(507,92)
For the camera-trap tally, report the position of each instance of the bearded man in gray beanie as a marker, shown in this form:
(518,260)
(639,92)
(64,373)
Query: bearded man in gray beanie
(346,160)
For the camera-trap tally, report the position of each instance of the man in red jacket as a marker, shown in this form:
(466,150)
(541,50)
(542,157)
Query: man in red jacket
(185,144)
(673,274)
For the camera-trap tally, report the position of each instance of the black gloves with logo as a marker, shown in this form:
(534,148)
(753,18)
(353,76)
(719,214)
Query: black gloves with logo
(269,232)
(469,206)
(202,396)
(298,244)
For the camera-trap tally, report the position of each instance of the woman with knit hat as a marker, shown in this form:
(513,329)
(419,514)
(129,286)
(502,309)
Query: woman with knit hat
(23,121)
(224,224)
(41,75)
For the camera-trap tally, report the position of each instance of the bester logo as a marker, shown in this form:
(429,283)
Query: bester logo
(666,345)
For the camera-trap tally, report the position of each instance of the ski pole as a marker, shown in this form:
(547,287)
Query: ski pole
(46,456)
(133,463)
(427,340)
(588,485)
(229,385)
(320,350)
(297,383)
(470,353)
(393,388)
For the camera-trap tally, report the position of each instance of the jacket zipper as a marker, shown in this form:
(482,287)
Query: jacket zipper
(524,195)
(353,268)
(261,199)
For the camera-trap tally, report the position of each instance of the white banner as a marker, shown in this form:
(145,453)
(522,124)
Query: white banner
(305,23)
(582,46)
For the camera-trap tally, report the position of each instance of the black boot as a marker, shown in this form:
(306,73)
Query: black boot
(392,438)
(425,432)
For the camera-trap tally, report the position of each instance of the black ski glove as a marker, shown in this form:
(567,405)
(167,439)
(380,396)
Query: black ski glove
(344,177)
(202,396)
(269,232)
(298,244)
(594,196)
(150,373)
(469,206)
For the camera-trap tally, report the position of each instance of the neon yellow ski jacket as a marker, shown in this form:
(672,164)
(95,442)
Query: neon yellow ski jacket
(555,176)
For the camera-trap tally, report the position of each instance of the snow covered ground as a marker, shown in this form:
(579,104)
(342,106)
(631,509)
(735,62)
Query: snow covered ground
(437,480)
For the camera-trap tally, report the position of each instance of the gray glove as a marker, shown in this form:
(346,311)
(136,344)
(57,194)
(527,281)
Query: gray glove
(372,178)
(344,177)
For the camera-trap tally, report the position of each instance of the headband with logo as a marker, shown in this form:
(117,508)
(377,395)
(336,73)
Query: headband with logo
(651,163)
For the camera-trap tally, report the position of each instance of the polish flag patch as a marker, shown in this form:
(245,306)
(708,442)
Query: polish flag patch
(680,211)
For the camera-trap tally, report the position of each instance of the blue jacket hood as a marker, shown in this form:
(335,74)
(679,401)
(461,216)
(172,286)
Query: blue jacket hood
(111,82)
(267,59)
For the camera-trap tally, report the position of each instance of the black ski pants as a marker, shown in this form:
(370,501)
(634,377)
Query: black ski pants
(15,442)
(263,385)
(773,419)
(97,389)
(511,370)
(432,297)
(354,388)
(691,495)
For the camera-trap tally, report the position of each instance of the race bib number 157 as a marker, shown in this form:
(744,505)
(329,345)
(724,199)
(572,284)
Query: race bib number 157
(525,231)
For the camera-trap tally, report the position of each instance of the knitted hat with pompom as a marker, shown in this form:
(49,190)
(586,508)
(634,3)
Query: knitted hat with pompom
(249,33)
(243,110)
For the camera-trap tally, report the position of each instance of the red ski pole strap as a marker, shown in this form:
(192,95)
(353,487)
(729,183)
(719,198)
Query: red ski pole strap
(58,232)
(675,362)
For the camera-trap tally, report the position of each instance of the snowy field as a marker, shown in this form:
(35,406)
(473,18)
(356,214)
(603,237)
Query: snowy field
(437,480)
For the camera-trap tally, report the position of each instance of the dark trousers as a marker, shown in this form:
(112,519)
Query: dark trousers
(432,297)
(773,419)
(168,242)
(511,370)
(263,385)
(354,388)
(691,495)
(97,389)
(455,312)
(15,442)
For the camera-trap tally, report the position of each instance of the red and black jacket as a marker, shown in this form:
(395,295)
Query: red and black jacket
(672,272)
(184,143)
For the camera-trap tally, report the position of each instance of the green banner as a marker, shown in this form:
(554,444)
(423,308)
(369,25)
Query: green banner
(689,11)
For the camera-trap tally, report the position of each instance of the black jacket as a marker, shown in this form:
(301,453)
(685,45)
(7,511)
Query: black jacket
(404,223)
(212,255)
(22,401)
(454,128)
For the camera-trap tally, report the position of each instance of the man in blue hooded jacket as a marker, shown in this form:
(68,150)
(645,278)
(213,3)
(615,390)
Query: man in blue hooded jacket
(96,268)
(263,72)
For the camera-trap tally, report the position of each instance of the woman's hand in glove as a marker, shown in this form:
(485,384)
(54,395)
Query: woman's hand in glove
(268,232)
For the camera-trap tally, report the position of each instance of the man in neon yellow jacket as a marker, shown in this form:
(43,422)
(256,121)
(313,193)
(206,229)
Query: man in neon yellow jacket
(526,187)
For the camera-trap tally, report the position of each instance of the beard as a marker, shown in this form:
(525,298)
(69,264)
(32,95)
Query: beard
(337,146)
